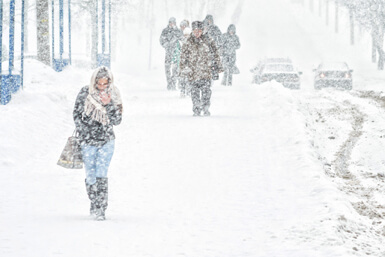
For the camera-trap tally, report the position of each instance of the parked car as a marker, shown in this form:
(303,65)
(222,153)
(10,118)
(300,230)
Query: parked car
(281,70)
(269,60)
(333,74)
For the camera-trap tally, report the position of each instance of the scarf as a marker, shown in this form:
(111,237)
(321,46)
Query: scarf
(93,105)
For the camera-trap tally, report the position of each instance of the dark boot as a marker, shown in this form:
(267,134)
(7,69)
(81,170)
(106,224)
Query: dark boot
(206,111)
(92,192)
(102,198)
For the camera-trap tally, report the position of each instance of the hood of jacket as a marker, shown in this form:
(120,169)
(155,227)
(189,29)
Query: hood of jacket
(108,75)
(231,28)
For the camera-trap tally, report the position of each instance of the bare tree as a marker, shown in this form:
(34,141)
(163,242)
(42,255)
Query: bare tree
(336,16)
(94,34)
(327,12)
(90,8)
(237,12)
(351,18)
(151,26)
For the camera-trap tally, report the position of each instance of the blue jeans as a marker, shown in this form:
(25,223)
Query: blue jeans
(97,160)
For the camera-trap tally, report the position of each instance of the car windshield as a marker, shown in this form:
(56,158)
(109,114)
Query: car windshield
(278,67)
(337,66)
(278,60)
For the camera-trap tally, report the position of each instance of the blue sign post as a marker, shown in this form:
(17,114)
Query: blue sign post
(11,82)
(59,63)
(104,59)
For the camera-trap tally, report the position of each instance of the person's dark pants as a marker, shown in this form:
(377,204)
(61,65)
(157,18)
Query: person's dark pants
(200,95)
(184,86)
(171,71)
(228,64)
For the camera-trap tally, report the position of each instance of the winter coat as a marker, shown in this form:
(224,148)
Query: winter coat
(92,132)
(169,39)
(230,43)
(216,64)
(215,34)
(177,51)
(199,58)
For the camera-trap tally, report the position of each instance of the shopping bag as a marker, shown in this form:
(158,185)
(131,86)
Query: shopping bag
(235,69)
(71,156)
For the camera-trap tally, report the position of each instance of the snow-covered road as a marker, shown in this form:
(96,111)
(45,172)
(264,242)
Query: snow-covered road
(273,172)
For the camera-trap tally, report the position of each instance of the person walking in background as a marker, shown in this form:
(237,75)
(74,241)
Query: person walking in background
(98,108)
(212,30)
(183,27)
(182,78)
(230,43)
(197,64)
(169,40)
(213,33)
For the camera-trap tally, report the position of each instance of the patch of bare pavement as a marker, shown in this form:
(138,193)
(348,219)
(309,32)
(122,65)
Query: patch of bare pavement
(341,123)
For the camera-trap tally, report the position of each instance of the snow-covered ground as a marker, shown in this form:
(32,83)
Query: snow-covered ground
(273,172)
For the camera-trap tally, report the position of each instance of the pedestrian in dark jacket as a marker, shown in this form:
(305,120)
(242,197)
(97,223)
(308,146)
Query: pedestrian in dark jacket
(98,108)
(198,62)
(230,43)
(212,30)
(169,40)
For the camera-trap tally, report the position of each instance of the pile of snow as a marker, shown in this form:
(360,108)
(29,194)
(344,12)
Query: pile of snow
(244,181)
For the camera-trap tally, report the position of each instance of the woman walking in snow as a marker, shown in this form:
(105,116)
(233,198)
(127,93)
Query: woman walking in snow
(98,108)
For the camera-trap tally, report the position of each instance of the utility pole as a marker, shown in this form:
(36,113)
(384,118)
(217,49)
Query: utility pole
(26,3)
(42,17)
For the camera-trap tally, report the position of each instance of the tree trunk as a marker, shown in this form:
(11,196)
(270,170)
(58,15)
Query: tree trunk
(88,40)
(186,11)
(311,5)
(166,5)
(378,44)
(114,34)
(380,48)
(42,25)
(94,36)
(381,55)
(320,8)
(237,12)
(351,17)
(327,12)
(374,48)
(202,8)
(336,17)
(152,23)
